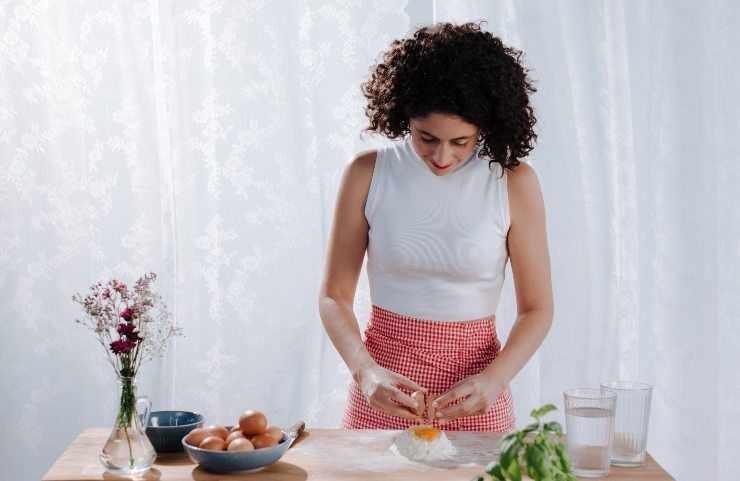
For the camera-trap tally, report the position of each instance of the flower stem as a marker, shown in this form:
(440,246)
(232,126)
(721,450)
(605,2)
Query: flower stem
(126,411)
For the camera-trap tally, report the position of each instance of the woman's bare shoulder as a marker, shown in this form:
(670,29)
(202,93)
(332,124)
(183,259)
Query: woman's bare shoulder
(525,196)
(522,177)
(364,161)
(359,171)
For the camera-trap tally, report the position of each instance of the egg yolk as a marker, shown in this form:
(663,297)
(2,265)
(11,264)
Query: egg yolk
(426,433)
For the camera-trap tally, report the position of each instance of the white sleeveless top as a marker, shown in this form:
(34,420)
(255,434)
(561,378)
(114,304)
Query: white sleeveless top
(437,244)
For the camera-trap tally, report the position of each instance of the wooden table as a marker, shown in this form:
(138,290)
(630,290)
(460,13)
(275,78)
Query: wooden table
(322,454)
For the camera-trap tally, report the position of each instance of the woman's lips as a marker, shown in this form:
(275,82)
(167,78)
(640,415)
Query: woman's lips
(439,166)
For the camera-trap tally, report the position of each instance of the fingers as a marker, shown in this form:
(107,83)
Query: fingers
(456,391)
(472,406)
(431,407)
(382,393)
(387,406)
(402,398)
(418,396)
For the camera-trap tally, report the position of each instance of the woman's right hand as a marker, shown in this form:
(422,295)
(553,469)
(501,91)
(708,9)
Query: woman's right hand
(380,387)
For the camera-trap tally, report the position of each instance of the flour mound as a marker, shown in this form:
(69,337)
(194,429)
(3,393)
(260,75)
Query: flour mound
(413,447)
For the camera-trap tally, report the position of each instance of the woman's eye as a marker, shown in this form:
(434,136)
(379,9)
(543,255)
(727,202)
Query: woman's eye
(429,141)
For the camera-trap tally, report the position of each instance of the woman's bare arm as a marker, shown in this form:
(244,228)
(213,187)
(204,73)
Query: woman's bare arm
(530,264)
(347,245)
(346,251)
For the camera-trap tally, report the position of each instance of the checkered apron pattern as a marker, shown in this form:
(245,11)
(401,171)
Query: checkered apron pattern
(435,355)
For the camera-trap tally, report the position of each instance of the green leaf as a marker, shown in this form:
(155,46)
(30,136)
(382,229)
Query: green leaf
(563,458)
(541,438)
(509,459)
(509,437)
(555,427)
(478,478)
(508,442)
(538,466)
(494,469)
(529,429)
(506,459)
(538,413)
(513,472)
(527,468)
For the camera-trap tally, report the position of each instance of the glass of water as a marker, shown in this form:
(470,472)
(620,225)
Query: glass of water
(589,424)
(630,422)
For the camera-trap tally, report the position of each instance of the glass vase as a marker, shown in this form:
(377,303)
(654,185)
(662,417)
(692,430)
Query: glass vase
(128,450)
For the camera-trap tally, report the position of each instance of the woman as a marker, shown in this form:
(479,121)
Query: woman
(440,212)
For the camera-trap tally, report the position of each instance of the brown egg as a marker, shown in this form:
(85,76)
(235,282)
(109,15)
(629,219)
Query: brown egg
(195,436)
(253,422)
(235,435)
(213,443)
(240,444)
(274,432)
(263,441)
(219,431)
(235,428)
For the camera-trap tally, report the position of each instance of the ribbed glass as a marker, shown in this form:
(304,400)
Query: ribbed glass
(589,421)
(629,444)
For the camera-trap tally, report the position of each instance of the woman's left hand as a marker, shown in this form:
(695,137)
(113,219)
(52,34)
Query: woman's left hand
(481,390)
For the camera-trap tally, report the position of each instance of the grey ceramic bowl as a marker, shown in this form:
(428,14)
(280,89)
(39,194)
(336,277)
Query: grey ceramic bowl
(229,461)
(166,429)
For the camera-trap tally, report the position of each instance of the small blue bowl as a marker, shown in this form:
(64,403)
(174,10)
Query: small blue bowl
(230,461)
(166,429)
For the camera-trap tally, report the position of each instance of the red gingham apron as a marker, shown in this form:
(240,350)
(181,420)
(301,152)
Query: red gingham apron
(435,355)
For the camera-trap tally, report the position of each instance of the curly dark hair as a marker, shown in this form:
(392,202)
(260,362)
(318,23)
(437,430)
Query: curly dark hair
(459,70)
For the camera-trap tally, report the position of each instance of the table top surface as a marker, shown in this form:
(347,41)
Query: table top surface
(322,454)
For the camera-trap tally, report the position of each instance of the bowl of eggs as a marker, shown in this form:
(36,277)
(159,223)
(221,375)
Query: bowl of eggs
(252,443)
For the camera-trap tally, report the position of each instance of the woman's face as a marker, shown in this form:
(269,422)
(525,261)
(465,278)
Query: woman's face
(443,141)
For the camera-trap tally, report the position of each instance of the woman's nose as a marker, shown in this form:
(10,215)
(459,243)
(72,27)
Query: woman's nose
(442,154)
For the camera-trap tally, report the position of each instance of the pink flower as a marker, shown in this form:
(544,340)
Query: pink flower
(127,314)
(121,347)
(118,286)
(129,331)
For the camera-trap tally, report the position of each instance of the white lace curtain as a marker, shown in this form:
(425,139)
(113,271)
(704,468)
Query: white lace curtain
(205,140)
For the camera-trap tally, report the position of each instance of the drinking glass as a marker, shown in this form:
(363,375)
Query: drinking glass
(589,422)
(630,422)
